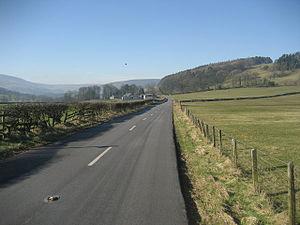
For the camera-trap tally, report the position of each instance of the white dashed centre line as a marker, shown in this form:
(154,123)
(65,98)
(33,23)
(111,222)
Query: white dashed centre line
(132,128)
(99,156)
(145,118)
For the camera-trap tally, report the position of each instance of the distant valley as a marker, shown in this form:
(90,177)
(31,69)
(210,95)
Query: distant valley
(17,89)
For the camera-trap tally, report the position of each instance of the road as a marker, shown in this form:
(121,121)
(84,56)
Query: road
(121,172)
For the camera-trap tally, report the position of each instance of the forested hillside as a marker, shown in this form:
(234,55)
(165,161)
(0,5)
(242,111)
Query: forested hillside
(288,61)
(245,72)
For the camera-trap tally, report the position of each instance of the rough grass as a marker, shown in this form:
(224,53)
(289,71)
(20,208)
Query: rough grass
(222,196)
(284,78)
(238,92)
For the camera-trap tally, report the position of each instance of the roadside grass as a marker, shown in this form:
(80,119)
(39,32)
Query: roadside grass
(237,92)
(221,194)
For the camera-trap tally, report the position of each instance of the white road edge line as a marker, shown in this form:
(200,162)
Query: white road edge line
(145,118)
(132,128)
(99,156)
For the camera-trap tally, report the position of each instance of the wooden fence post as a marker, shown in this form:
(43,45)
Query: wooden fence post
(234,152)
(220,140)
(291,192)
(200,124)
(214,136)
(207,132)
(254,169)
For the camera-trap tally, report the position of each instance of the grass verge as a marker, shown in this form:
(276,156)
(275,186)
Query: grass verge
(218,191)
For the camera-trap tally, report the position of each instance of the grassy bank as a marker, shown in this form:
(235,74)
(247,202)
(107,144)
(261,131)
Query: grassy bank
(221,195)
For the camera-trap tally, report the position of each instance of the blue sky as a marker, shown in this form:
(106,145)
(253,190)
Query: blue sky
(86,41)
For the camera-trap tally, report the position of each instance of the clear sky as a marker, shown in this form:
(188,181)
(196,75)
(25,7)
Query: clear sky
(86,41)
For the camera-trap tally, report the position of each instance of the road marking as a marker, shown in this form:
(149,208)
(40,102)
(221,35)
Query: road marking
(132,128)
(99,156)
(145,118)
(151,114)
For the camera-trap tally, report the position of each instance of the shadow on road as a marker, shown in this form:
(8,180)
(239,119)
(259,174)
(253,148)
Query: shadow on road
(22,166)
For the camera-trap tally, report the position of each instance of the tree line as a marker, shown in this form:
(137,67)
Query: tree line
(102,92)
(288,61)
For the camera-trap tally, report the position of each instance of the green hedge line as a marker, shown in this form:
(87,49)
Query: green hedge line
(24,118)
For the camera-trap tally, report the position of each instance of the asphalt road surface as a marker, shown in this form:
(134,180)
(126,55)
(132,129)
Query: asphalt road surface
(122,172)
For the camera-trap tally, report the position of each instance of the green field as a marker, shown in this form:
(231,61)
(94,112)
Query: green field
(272,125)
(216,185)
(238,92)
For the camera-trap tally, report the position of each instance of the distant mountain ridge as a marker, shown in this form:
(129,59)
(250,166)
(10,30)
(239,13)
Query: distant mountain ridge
(20,85)
(13,96)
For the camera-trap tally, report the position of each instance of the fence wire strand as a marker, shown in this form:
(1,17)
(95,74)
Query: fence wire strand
(272,172)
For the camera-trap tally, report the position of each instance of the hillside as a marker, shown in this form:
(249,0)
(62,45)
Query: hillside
(13,83)
(246,72)
(16,84)
(13,96)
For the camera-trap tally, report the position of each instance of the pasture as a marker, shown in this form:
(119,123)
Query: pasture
(238,92)
(272,125)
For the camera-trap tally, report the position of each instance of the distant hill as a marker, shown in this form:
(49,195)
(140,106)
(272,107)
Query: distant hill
(216,75)
(142,82)
(245,72)
(23,86)
(13,96)
(19,85)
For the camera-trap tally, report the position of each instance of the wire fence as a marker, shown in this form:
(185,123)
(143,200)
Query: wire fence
(278,179)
